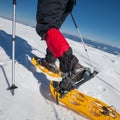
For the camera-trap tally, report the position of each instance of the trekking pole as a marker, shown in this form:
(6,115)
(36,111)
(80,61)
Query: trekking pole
(81,39)
(13,87)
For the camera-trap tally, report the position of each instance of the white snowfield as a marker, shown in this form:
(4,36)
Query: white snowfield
(32,99)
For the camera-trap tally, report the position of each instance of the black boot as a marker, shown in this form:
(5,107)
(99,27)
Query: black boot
(50,66)
(71,80)
(49,62)
(74,72)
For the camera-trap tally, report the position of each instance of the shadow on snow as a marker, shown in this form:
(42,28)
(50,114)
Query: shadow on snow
(22,51)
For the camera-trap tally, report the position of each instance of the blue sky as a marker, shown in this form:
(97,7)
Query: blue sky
(98,20)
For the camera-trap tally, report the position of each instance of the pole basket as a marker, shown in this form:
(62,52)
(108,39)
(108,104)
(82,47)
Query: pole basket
(12,88)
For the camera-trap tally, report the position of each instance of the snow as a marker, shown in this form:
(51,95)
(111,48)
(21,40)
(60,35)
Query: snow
(32,99)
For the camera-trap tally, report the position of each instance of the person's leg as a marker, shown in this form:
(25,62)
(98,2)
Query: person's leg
(49,57)
(49,15)
(60,48)
(49,18)
(68,9)
(49,24)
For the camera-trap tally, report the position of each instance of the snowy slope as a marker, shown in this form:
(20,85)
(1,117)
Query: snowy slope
(32,99)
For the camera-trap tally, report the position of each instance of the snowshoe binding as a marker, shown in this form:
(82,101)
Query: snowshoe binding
(68,83)
(48,68)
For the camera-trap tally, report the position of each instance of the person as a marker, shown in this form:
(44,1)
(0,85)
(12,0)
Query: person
(50,16)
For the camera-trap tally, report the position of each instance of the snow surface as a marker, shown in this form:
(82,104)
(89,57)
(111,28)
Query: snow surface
(32,99)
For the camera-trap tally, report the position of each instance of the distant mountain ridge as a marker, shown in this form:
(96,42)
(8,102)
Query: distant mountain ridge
(101,46)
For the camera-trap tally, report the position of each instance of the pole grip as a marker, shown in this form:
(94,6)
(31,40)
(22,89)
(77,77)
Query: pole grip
(14,2)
